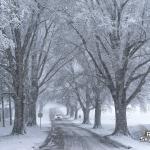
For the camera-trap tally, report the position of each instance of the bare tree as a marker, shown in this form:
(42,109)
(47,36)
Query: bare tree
(17,58)
(117,44)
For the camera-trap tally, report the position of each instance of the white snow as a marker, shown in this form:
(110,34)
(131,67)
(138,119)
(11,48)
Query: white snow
(136,145)
(137,122)
(34,137)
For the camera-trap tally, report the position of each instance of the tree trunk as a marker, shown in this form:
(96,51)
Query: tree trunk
(76,114)
(31,120)
(86,119)
(18,127)
(34,92)
(68,111)
(32,115)
(121,120)
(97,123)
(10,111)
(19,100)
(71,111)
(120,104)
(86,110)
(0,116)
(3,112)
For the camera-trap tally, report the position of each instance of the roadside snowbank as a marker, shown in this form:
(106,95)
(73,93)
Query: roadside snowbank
(107,129)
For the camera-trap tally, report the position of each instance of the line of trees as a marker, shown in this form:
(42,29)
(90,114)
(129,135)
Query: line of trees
(30,54)
(86,48)
(113,38)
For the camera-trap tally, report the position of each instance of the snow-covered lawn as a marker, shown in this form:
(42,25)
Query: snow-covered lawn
(128,141)
(136,145)
(34,137)
(137,123)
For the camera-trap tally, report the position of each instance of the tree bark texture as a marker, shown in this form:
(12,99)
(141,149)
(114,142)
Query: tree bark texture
(97,122)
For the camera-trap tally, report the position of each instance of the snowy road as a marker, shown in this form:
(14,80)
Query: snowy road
(67,136)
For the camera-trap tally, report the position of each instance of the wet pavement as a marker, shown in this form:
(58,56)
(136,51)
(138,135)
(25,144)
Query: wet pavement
(67,136)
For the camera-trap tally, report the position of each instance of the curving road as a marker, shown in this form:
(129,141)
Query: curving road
(67,136)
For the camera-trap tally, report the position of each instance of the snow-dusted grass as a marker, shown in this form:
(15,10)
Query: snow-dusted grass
(128,141)
(136,145)
(137,122)
(34,137)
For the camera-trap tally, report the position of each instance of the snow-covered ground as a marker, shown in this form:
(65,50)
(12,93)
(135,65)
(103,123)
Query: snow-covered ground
(128,141)
(137,122)
(34,137)
(29,141)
